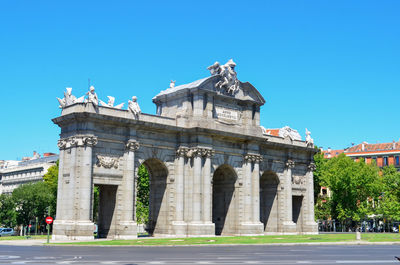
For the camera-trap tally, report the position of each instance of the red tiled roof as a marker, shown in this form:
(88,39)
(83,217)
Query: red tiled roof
(374,147)
(273,132)
(332,153)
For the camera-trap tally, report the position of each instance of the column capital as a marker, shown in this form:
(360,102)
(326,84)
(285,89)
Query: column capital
(182,151)
(200,152)
(207,152)
(89,141)
(62,144)
(253,158)
(132,145)
(312,167)
(77,140)
(290,163)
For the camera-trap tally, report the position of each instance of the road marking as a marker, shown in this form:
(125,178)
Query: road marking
(304,262)
(45,258)
(365,261)
(3,257)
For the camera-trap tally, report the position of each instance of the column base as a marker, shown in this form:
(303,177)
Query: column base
(289,227)
(73,230)
(310,228)
(200,229)
(126,230)
(179,228)
(251,229)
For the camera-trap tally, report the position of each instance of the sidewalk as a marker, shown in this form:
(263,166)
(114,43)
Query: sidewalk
(42,242)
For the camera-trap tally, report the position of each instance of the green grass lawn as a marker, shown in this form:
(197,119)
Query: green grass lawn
(388,237)
(22,237)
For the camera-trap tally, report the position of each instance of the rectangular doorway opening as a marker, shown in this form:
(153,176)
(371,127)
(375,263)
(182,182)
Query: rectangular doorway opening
(106,223)
(297,203)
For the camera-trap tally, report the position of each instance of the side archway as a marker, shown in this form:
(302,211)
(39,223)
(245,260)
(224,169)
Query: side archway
(224,204)
(158,199)
(269,214)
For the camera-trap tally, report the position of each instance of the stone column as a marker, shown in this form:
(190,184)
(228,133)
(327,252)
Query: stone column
(207,189)
(75,192)
(62,144)
(85,185)
(127,225)
(201,196)
(255,189)
(310,226)
(196,213)
(247,189)
(179,225)
(288,225)
(251,224)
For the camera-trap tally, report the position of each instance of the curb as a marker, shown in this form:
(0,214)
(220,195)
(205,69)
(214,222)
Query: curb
(349,243)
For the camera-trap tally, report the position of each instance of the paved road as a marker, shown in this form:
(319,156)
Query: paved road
(351,254)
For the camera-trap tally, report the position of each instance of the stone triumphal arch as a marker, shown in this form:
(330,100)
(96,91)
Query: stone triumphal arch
(213,169)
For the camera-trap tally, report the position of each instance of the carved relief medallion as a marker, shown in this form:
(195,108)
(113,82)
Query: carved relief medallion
(107,161)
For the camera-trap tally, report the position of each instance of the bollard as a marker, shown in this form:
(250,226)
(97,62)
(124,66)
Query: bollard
(358,236)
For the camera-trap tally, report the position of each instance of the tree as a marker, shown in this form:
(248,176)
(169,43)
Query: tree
(51,177)
(319,181)
(143,191)
(31,201)
(389,203)
(51,180)
(8,215)
(353,185)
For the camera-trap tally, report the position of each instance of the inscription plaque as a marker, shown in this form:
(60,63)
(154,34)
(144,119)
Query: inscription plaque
(226,114)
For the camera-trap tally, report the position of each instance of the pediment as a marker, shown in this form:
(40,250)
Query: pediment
(245,91)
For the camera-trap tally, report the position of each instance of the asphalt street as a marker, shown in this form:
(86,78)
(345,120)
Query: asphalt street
(349,254)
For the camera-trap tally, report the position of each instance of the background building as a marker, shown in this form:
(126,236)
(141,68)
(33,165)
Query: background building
(30,169)
(384,154)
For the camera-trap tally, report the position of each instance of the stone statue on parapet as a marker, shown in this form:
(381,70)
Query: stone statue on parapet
(229,82)
(134,107)
(69,99)
(309,140)
(110,103)
(92,96)
(172,84)
(214,69)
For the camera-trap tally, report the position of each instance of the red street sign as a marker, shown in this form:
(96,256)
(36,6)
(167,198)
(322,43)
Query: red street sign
(49,219)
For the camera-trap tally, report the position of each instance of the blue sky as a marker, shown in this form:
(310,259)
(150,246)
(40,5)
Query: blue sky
(330,66)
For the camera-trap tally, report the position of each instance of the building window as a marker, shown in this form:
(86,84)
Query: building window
(397,160)
(385,161)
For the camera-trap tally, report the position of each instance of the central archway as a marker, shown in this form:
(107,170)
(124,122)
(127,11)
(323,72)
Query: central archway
(224,201)
(158,202)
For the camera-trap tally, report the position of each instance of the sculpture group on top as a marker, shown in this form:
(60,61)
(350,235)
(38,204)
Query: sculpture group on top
(110,103)
(91,97)
(69,99)
(229,82)
(292,134)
